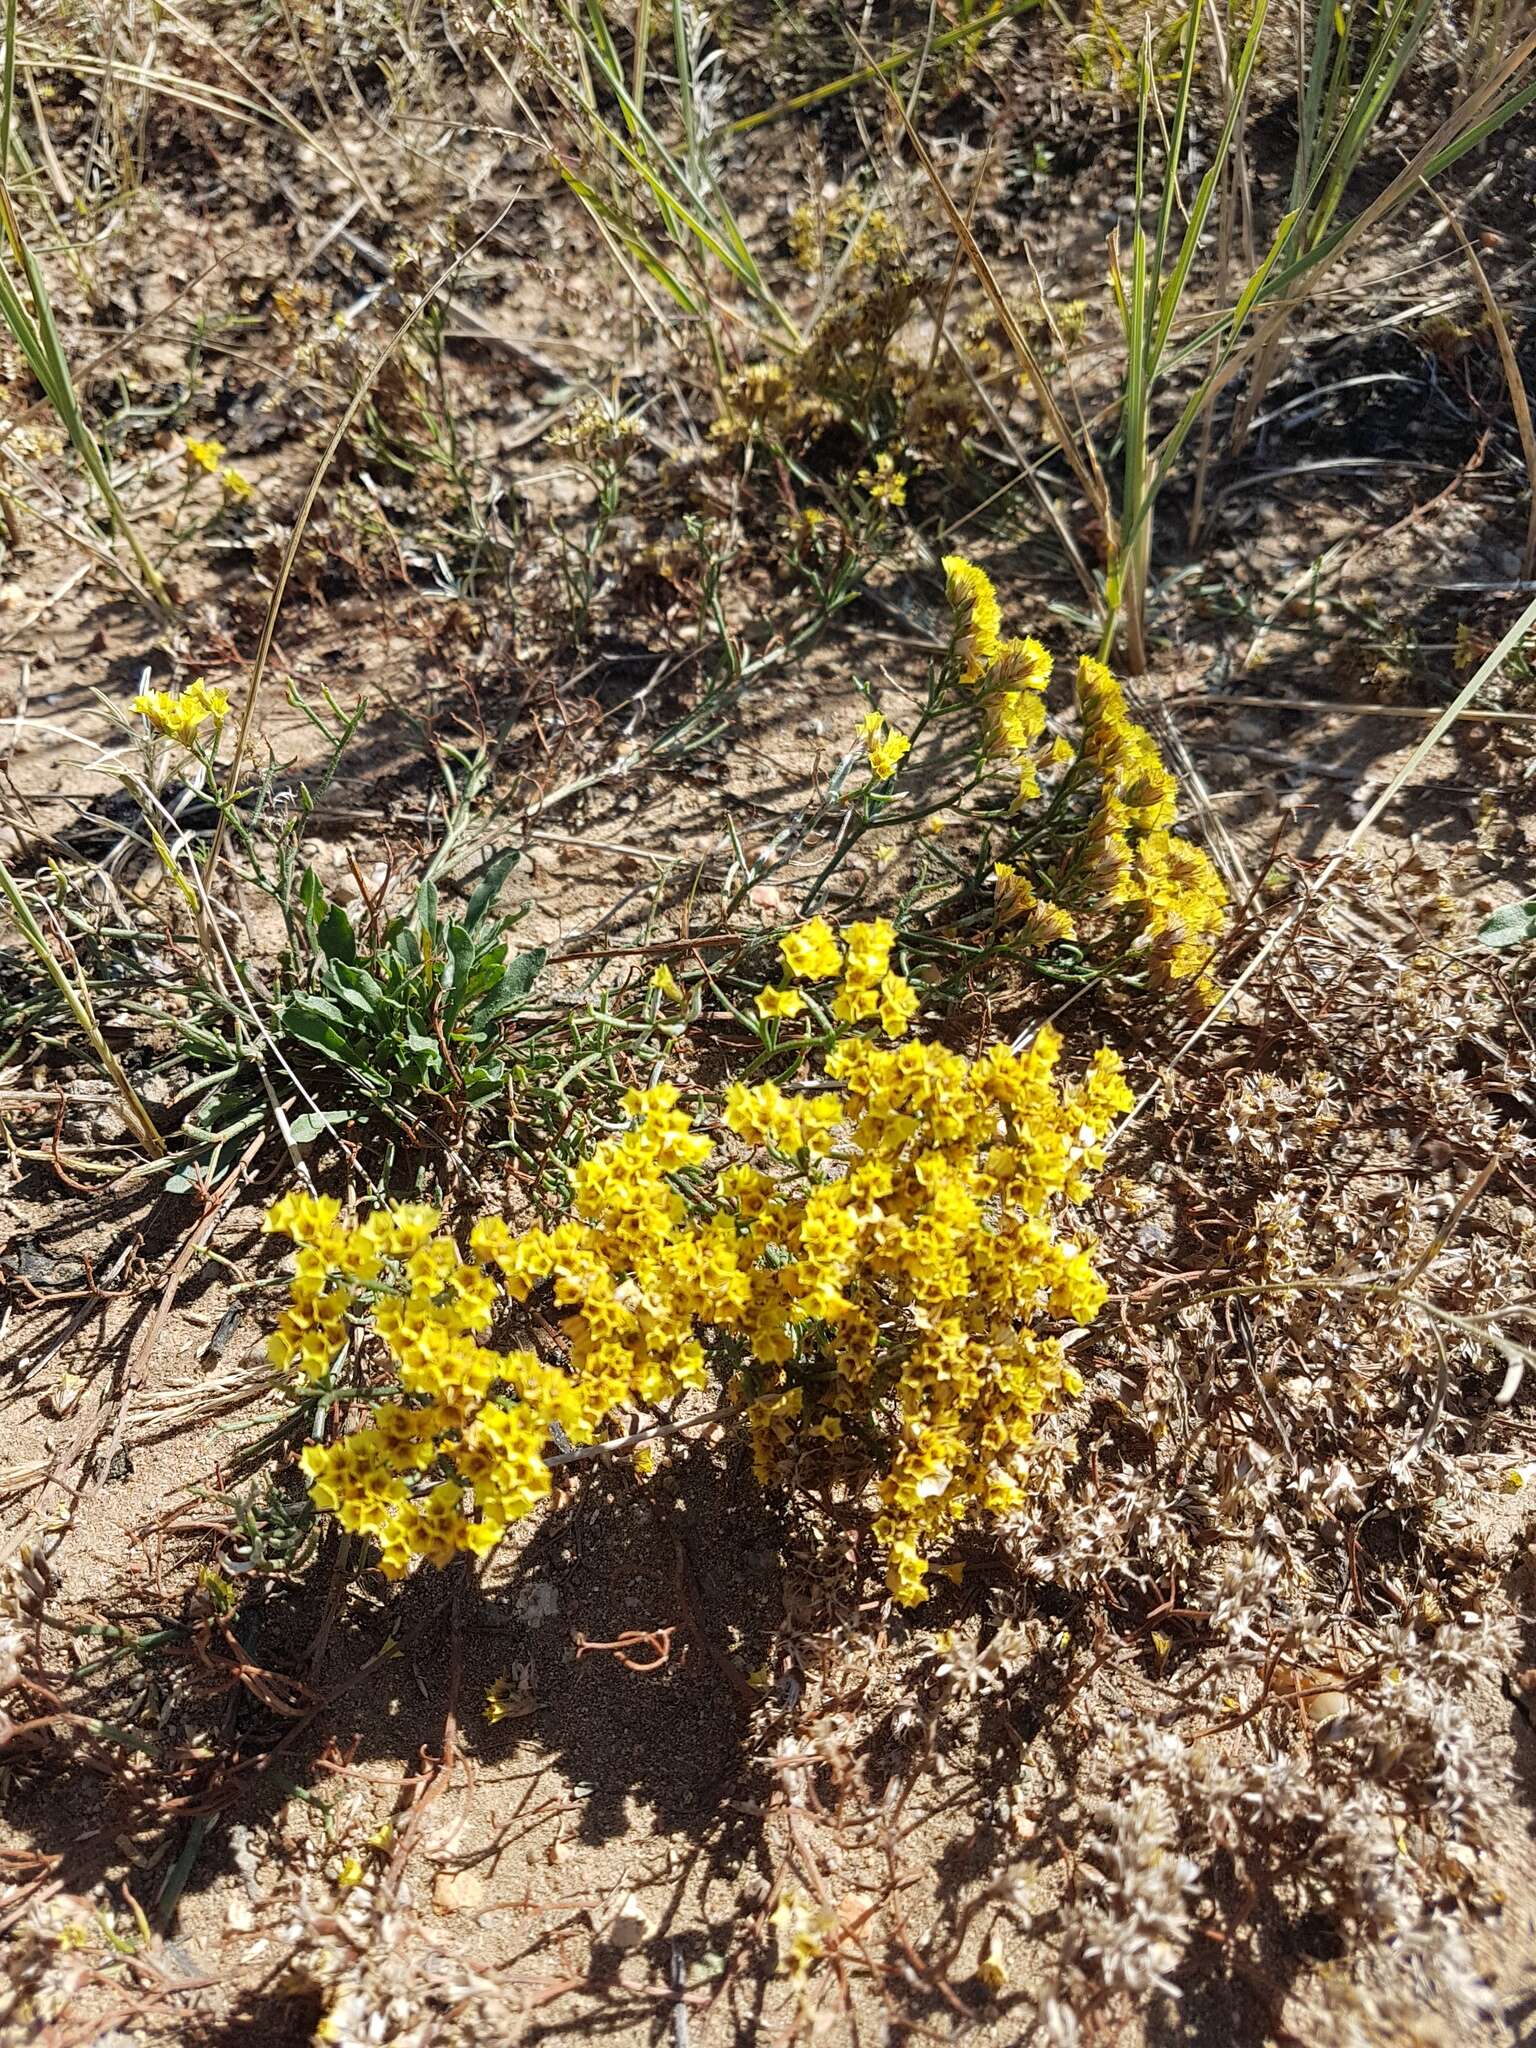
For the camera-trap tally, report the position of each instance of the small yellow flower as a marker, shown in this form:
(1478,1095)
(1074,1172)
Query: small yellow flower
(219,1591)
(501,1701)
(666,984)
(885,745)
(206,455)
(810,528)
(235,487)
(350,1874)
(885,483)
(898,1005)
(779,1002)
(993,1969)
(811,951)
(804,1930)
(181,714)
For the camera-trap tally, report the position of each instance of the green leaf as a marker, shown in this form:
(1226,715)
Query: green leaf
(335,935)
(357,985)
(1514,925)
(319,1024)
(363,1008)
(490,965)
(512,990)
(488,888)
(306,1128)
(482,1082)
(401,944)
(311,896)
(459,966)
(320,1007)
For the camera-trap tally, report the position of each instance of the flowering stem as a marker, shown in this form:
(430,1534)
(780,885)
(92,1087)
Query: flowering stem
(639,1436)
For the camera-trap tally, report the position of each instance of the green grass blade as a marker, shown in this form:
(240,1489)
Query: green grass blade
(1171,292)
(8,88)
(1175,150)
(631,239)
(867,74)
(37,335)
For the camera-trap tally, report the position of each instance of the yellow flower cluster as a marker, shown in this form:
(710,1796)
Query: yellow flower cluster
(1167,883)
(1009,676)
(876,1266)
(978,615)
(1039,924)
(1124,753)
(913,1283)
(887,748)
(866,236)
(854,371)
(598,436)
(181,714)
(1119,860)
(767,400)
(885,483)
(860,960)
(811,951)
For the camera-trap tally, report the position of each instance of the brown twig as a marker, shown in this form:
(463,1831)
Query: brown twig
(658,1641)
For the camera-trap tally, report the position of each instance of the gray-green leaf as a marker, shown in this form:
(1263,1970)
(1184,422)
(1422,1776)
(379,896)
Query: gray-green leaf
(1514,925)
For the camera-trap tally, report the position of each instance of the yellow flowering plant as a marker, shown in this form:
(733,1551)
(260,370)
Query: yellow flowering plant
(878,1270)
(206,458)
(873,1256)
(1103,867)
(181,715)
(1059,848)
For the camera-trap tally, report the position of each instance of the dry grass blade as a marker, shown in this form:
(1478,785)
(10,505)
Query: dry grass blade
(76,997)
(1083,462)
(885,67)
(1519,400)
(301,520)
(27,311)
